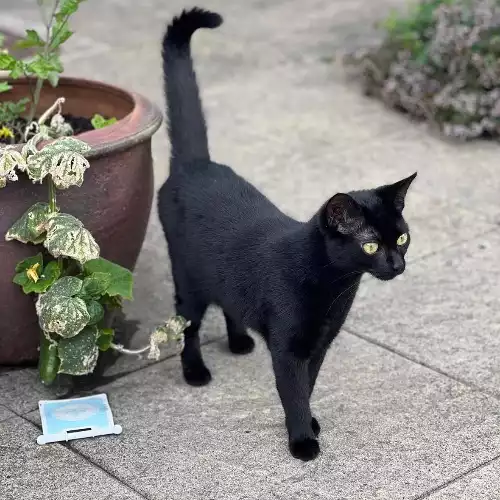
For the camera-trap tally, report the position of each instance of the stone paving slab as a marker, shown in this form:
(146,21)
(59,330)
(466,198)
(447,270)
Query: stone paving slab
(20,390)
(392,429)
(481,484)
(32,472)
(444,311)
(5,413)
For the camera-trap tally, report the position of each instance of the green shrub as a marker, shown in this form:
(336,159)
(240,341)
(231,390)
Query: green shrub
(440,62)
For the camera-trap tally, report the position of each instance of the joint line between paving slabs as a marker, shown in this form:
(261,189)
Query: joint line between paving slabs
(495,228)
(421,363)
(427,494)
(68,446)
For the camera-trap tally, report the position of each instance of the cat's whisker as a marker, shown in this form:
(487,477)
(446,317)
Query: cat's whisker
(339,295)
(345,276)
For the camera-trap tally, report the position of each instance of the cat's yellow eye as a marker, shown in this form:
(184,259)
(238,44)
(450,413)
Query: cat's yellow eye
(370,248)
(402,239)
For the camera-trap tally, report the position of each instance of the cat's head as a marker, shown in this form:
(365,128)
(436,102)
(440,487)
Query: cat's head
(366,230)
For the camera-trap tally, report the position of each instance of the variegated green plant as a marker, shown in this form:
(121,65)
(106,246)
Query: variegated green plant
(77,288)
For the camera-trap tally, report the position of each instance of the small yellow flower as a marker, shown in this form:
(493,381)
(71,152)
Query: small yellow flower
(32,272)
(6,132)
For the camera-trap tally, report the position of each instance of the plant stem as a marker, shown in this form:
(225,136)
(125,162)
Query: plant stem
(52,195)
(123,350)
(46,51)
(56,107)
(36,98)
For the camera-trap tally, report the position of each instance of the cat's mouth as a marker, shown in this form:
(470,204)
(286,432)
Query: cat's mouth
(387,275)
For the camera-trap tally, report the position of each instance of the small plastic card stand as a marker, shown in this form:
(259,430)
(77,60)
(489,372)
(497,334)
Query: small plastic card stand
(67,419)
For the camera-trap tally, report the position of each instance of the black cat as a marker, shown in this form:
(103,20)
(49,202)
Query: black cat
(293,282)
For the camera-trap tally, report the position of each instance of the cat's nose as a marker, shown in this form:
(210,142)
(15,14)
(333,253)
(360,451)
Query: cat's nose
(398,265)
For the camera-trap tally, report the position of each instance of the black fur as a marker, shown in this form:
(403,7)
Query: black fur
(293,282)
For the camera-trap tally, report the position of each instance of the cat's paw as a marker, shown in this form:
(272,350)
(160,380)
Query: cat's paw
(197,375)
(315,427)
(305,449)
(242,344)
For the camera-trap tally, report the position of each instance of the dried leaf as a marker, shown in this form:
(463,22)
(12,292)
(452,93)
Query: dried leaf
(67,169)
(172,330)
(30,228)
(67,237)
(79,354)
(60,311)
(63,159)
(10,160)
(59,127)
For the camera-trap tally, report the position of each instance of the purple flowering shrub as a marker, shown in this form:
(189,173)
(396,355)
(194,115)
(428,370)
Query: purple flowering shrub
(440,63)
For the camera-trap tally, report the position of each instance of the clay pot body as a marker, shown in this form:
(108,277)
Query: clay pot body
(114,202)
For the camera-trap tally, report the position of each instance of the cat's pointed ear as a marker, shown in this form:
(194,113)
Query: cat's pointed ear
(343,214)
(396,193)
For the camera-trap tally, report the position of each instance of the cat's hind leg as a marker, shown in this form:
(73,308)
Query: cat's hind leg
(192,307)
(193,367)
(239,340)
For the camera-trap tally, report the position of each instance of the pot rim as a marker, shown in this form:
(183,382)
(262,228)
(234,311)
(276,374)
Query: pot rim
(138,125)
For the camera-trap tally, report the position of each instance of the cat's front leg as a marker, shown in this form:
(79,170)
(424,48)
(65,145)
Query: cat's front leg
(292,381)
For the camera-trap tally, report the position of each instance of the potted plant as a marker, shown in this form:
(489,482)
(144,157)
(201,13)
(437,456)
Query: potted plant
(439,62)
(55,299)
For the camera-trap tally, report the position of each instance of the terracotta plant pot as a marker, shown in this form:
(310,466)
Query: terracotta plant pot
(114,202)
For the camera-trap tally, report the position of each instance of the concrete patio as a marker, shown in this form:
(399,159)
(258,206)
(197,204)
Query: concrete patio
(408,398)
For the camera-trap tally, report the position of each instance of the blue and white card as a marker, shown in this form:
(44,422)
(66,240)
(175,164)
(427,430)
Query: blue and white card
(67,419)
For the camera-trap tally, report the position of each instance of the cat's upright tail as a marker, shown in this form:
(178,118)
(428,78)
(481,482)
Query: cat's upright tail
(186,123)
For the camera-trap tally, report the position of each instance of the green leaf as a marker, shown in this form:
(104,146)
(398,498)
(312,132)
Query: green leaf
(6,61)
(4,86)
(95,285)
(66,237)
(96,312)
(30,228)
(68,285)
(79,354)
(105,338)
(18,69)
(32,39)
(42,66)
(54,60)
(50,274)
(112,303)
(68,7)
(121,279)
(60,33)
(33,277)
(98,121)
(53,78)
(48,363)
(25,264)
(60,311)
